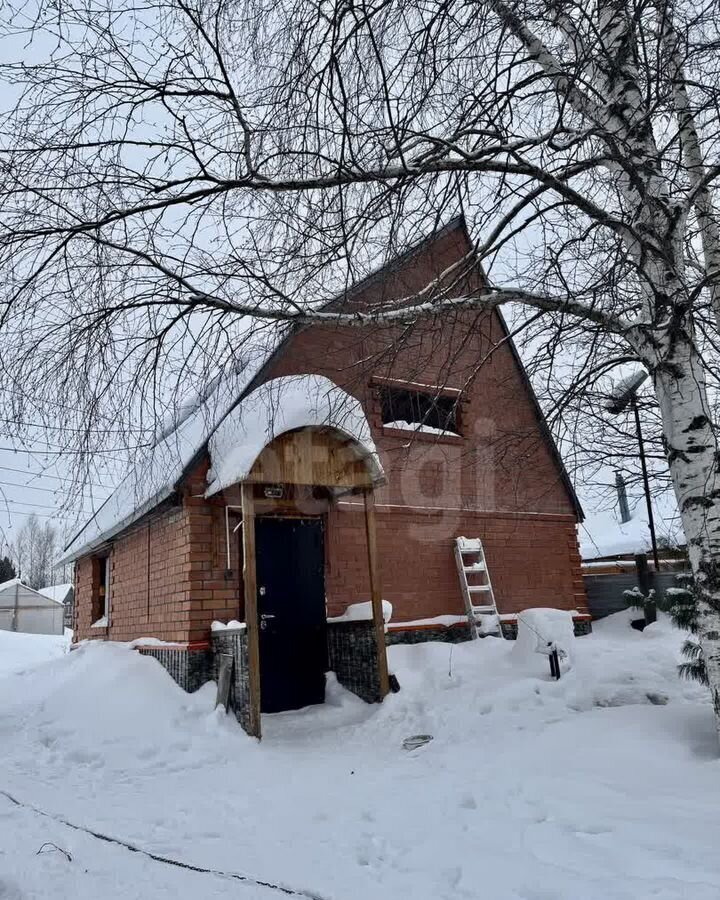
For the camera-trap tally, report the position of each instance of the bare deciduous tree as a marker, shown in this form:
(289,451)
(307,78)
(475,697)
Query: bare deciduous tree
(35,550)
(180,176)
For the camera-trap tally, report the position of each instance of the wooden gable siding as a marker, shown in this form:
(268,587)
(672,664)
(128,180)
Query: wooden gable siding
(310,457)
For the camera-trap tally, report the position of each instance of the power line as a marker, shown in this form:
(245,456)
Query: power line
(4,500)
(60,446)
(31,487)
(89,431)
(65,452)
(61,516)
(54,477)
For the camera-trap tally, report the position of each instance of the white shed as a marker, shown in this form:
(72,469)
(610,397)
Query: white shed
(27,610)
(65,594)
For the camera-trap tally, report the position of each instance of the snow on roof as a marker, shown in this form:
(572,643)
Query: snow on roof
(281,405)
(8,584)
(18,582)
(56,592)
(235,434)
(156,473)
(603,534)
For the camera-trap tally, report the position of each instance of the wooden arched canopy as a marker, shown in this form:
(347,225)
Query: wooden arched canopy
(315,456)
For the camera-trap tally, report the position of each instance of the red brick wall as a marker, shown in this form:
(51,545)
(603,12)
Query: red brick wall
(168,575)
(149,582)
(502,461)
(533,561)
(499,481)
(216,590)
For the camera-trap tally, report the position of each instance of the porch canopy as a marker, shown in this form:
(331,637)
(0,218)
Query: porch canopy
(304,431)
(315,433)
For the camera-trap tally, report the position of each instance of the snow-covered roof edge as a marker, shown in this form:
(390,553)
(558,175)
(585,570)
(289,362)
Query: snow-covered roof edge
(56,592)
(276,407)
(18,582)
(156,475)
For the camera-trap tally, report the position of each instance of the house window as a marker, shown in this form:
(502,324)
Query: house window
(410,408)
(101,591)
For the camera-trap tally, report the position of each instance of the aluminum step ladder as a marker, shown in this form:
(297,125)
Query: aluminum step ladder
(475,583)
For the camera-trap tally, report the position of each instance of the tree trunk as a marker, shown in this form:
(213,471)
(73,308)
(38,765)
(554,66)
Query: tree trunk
(693,458)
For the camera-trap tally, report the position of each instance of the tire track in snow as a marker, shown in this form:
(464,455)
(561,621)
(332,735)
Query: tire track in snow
(167,860)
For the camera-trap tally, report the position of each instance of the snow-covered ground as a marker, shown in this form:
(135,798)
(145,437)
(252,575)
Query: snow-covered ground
(21,652)
(605,784)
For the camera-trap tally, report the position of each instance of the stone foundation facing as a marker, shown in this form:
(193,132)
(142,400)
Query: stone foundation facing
(352,655)
(234,643)
(190,667)
(453,634)
(581,627)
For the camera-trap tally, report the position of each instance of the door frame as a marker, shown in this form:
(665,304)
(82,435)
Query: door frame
(247,494)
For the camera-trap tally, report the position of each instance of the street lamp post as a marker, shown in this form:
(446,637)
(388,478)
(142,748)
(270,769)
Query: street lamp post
(626,394)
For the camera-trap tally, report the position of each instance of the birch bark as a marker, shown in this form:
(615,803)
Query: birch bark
(692,451)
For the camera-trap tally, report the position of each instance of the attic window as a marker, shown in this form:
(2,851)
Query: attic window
(419,410)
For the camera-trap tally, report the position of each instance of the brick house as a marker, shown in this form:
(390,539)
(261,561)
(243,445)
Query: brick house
(329,442)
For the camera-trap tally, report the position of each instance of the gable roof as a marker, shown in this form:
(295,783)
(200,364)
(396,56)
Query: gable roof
(11,582)
(159,471)
(542,421)
(57,592)
(26,589)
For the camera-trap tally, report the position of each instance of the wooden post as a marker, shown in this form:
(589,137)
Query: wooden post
(646,483)
(376,591)
(251,615)
(14,626)
(643,573)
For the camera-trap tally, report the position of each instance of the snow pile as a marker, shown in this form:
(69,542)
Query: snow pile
(420,427)
(434,621)
(604,785)
(21,652)
(232,625)
(362,612)
(489,624)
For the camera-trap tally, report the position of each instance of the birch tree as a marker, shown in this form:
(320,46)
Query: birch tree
(179,175)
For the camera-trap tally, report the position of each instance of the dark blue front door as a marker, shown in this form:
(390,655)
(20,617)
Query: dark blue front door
(290,563)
